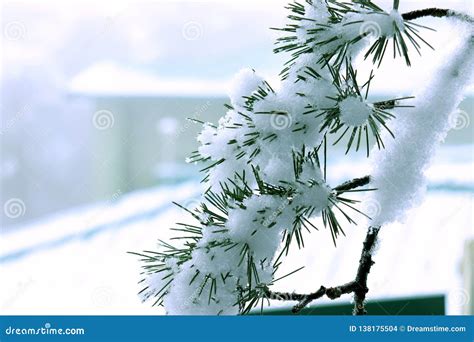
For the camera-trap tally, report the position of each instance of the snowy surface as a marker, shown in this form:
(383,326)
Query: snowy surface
(76,263)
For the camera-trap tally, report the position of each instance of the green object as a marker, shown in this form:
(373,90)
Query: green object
(429,305)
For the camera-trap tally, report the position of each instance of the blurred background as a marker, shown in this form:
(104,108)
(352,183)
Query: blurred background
(94,101)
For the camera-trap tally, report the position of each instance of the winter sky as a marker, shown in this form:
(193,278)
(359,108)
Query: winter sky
(175,47)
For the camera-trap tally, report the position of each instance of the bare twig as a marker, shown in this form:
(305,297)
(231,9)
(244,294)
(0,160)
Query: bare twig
(438,13)
(365,264)
(352,184)
(358,286)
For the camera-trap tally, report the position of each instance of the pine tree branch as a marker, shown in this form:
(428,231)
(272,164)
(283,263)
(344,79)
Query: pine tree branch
(305,299)
(438,13)
(365,264)
(358,286)
(396,3)
(390,104)
(352,184)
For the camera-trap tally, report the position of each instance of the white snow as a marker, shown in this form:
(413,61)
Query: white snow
(354,111)
(267,128)
(398,172)
(244,83)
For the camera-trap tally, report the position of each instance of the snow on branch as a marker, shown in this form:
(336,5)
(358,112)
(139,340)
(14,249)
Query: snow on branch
(398,170)
(265,161)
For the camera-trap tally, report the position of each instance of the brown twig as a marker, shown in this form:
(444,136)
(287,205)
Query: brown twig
(365,264)
(352,184)
(437,13)
(358,286)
